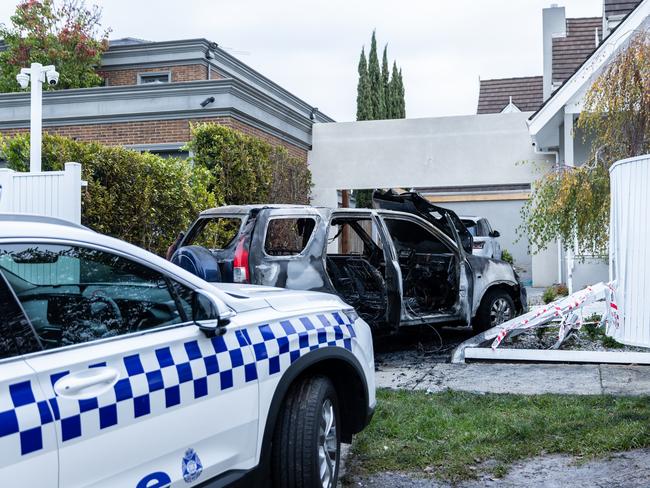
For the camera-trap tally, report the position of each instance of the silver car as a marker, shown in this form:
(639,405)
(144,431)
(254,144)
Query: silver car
(485,241)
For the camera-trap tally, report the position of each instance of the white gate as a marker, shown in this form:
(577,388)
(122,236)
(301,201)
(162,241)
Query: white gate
(50,193)
(629,248)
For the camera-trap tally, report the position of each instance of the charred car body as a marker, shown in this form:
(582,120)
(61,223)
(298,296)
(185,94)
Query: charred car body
(401,263)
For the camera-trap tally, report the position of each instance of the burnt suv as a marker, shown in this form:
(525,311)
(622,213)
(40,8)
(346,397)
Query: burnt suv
(404,262)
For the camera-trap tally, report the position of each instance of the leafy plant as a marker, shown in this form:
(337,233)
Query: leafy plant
(139,197)
(246,169)
(507,257)
(554,292)
(573,203)
(67,34)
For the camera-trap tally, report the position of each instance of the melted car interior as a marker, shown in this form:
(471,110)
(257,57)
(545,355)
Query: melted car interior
(429,268)
(357,268)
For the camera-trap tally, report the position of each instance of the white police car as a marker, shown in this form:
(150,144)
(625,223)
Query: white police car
(119,369)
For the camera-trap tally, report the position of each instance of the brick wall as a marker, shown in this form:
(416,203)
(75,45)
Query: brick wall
(190,72)
(155,132)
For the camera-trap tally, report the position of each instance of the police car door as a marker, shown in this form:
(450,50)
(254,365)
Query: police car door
(28,447)
(141,396)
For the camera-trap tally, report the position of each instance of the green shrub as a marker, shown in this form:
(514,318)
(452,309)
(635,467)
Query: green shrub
(139,197)
(507,257)
(246,169)
(553,292)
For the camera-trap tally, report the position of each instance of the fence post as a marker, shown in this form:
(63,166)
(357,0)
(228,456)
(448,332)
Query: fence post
(72,192)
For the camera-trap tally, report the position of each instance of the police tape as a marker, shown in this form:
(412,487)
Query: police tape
(567,311)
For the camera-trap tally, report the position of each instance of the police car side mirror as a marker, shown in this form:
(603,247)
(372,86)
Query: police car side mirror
(210,314)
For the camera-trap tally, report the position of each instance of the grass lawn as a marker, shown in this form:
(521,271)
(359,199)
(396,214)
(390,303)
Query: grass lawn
(453,432)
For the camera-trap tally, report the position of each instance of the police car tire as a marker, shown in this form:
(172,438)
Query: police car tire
(296,438)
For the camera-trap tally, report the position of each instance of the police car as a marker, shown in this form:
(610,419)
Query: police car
(119,369)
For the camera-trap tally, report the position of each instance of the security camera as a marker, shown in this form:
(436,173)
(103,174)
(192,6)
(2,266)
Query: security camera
(52,77)
(207,102)
(23,80)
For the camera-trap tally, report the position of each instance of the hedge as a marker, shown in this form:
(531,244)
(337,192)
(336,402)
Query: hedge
(139,197)
(147,200)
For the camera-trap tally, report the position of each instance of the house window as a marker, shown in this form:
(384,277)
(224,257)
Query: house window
(146,78)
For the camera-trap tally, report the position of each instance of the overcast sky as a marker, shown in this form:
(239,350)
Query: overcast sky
(311,48)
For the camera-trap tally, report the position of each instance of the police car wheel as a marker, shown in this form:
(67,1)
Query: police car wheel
(307,443)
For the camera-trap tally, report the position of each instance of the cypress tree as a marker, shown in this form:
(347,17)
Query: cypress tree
(402,100)
(384,83)
(393,90)
(364,102)
(376,87)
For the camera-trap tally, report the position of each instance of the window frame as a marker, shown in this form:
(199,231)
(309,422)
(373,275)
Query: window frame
(21,354)
(98,247)
(145,74)
(315,218)
(442,237)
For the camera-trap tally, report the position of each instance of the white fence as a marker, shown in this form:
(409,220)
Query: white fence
(629,253)
(51,193)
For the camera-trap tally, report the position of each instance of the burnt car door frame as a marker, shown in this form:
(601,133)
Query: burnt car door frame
(392,274)
(463,302)
(303,271)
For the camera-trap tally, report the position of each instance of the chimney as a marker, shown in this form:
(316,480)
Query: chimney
(553,25)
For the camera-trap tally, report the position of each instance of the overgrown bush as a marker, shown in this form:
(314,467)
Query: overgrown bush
(139,197)
(246,169)
(507,257)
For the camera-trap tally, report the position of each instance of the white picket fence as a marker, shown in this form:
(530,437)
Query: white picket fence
(50,193)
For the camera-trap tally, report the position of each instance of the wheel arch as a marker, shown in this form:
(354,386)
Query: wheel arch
(345,372)
(509,287)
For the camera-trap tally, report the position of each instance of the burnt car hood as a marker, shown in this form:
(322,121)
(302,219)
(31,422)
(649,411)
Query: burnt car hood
(414,203)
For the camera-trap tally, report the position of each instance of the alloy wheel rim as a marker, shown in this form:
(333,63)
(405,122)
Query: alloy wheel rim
(327,459)
(500,312)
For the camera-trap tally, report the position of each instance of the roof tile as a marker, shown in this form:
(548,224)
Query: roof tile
(494,95)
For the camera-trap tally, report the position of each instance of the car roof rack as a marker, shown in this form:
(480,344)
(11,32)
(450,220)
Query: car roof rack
(39,219)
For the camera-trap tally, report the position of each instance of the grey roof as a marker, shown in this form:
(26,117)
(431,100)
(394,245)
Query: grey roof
(494,95)
(571,51)
(126,41)
(620,7)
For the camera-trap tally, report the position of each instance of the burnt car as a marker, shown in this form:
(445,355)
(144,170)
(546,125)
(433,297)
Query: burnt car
(402,263)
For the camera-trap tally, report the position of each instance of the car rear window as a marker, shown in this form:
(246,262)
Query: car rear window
(288,236)
(216,233)
(471,226)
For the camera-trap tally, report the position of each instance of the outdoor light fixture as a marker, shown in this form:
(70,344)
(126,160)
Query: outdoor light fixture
(207,102)
(312,115)
(37,74)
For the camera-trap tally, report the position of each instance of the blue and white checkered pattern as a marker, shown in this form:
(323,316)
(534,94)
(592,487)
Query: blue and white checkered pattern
(169,377)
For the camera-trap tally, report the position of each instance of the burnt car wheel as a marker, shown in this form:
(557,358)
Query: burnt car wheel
(307,442)
(496,308)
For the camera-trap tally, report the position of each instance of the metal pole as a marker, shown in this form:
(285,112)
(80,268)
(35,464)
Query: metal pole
(36,123)
(345,235)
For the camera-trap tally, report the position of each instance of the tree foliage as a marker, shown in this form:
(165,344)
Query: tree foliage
(376,86)
(139,197)
(380,90)
(573,203)
(364,101)
(66,34)
(246,169)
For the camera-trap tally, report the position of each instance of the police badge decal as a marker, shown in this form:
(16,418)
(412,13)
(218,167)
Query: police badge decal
(192,466)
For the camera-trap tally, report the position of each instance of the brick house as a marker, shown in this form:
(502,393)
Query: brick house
(153,91)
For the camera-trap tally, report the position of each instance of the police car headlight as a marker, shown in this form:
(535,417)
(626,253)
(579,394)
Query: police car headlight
(351,314)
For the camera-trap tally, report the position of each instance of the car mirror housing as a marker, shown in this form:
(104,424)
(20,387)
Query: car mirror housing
(495,233)
(209,313)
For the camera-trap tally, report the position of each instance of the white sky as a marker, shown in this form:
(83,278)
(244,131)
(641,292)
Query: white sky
(311,48)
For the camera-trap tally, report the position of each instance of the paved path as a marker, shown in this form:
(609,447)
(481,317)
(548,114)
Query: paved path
(519,378)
